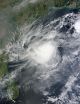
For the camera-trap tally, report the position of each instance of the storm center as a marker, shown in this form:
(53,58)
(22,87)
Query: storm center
(43,53)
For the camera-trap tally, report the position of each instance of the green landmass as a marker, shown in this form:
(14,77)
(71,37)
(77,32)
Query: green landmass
(13,91)
(32,11)
(12,88)
(3,65)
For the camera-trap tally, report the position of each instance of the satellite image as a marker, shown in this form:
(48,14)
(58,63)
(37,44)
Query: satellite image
(39,51)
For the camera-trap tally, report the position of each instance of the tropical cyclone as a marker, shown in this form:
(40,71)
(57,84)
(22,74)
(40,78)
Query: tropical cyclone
(55,44)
